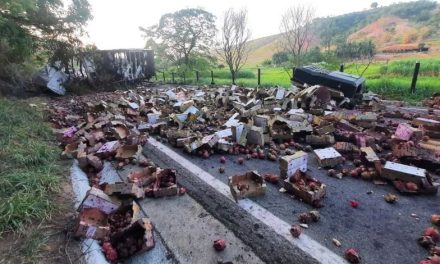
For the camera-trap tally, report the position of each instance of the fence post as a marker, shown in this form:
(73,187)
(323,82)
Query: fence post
(414,78)
(172,76)
(184,79)
(163,75)
(341,67)
(212,78)
(259,78)
(197,76)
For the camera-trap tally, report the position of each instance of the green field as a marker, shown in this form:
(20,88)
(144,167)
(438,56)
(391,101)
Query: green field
(391,80)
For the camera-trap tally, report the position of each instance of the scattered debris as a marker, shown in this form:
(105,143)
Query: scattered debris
(336,242)
(369,141)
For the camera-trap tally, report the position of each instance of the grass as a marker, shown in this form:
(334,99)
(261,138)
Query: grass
(29,172)
(428,67)
(391,80)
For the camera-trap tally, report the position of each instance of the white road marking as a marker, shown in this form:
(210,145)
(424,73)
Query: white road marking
(304,242)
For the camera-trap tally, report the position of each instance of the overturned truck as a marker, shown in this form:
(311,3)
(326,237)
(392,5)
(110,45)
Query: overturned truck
(350,85)
(98,67)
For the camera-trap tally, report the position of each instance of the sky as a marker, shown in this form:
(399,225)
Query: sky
(116,23)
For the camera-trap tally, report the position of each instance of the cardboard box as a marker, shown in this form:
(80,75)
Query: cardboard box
(210,140)
(239,133)
(92,223)
(324,140)
(124,189)
(308,196)
(328,157)
(326,129)
(396,171)
(128,151)
(345,125)
(141,230)
(345,147)
(369,154)
(406,132)
(290,164)
(255,136)
(429,124)
(262,121)
(166,191)
(95,198)
(224,145)
(247,185)
(109,148)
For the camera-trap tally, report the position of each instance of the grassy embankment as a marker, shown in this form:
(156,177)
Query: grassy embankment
(29,175)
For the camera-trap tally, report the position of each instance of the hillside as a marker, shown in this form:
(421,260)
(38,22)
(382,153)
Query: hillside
(402,23)
(262,49)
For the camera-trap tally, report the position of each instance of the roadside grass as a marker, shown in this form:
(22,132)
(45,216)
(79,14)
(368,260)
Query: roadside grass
(29,173)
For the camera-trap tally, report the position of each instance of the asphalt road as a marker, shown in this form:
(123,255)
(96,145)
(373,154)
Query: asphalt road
(381,232)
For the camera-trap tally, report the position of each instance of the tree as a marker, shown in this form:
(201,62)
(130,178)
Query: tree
(356,50)
(328,32)
(34,32)
(374,5)
(27,26)
(233,45)
(161,59)
(183,33)
(295,27)
(280,57)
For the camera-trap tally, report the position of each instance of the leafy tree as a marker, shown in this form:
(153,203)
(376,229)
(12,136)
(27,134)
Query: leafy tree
(28,25)
(184,33)
(374,5)
(43,28)
(314,55)
(161,58)
(356,50)
(280,57)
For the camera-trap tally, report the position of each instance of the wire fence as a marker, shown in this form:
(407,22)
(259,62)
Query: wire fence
(256,78)
(212,77)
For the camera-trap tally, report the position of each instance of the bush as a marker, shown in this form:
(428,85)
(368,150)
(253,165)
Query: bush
(243,74)
(267,62)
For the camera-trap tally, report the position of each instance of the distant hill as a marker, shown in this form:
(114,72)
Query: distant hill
(401,23)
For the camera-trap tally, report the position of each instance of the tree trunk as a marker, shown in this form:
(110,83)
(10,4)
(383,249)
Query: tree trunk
(187,60)
(233,77)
